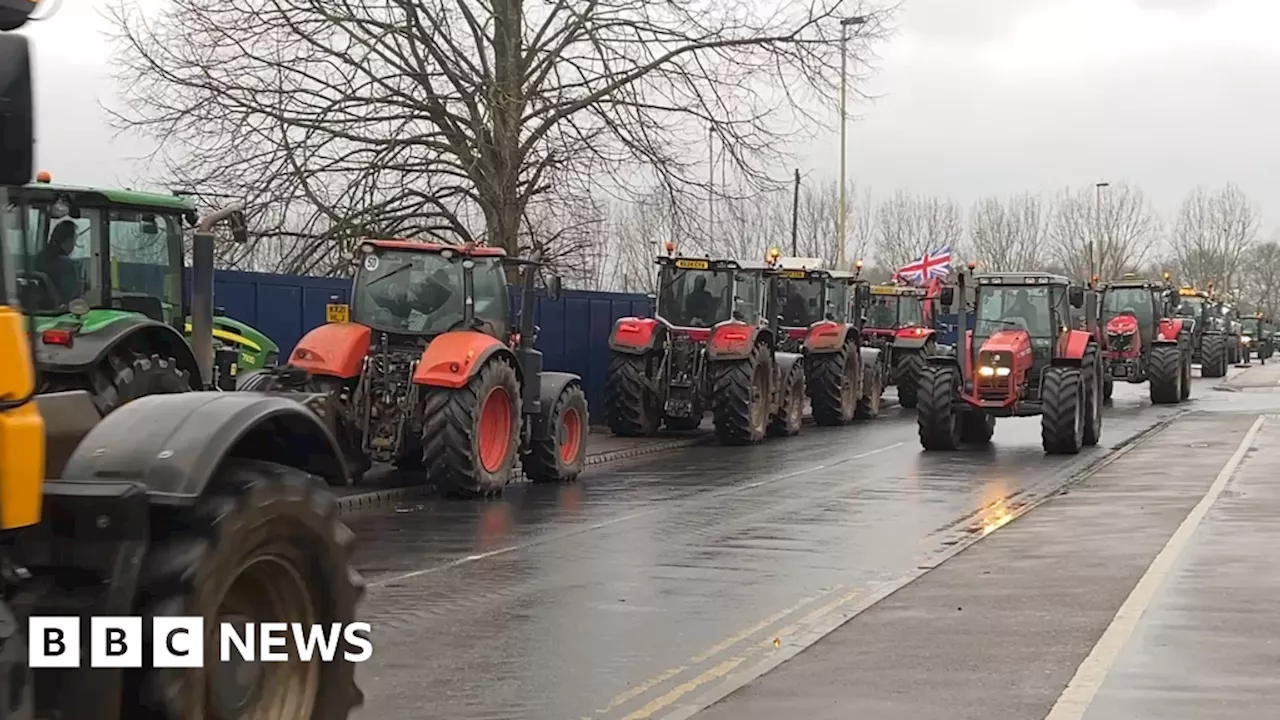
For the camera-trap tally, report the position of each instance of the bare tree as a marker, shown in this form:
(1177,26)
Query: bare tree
(1121,232)
(1009,235)
(448,118)
(907,226)
(1261,276)
(1213,235)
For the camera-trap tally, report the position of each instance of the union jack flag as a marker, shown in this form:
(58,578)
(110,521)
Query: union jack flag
(936,264)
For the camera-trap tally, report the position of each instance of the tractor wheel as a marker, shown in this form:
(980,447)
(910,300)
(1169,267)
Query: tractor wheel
(939,422)
(1108,387)
(907,368)
(1213,356)
(263,544)
(349,437)
(872,392)
(1063,415)
(740,398)
(1165,374)
(561,455)
(833,385)
(470,435)
(1093,372)
(629,407)
(976,428)
(787,420)
(1184,363)
(125,377)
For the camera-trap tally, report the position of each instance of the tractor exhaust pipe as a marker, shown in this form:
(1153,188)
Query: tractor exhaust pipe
(202,284)
(962,329)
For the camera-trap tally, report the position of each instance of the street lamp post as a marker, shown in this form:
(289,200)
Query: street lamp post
(1095,262)
(845,24)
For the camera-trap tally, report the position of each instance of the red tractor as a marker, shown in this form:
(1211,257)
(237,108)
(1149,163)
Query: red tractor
(1145,341)
(821,319)
(429,374)
(901,322)
(1035,350)
(711,345)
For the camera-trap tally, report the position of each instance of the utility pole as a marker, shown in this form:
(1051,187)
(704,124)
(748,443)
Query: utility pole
(795,215)
(711,186)
(845,24)
(1095,260)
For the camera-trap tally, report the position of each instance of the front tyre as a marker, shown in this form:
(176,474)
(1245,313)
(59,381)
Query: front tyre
(264,544)
(470,434)
(938,421)
(561,455)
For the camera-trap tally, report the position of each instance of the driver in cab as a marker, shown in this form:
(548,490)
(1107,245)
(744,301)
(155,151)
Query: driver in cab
(1022,314)
(401,297)
(54,261)
(701,304)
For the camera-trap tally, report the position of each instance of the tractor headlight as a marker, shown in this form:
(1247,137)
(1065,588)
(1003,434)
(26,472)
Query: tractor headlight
(987,371)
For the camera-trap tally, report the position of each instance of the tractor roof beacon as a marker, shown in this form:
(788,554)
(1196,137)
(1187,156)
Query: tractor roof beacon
(173,504)
(430,374)
(1145,341)
(1035,350)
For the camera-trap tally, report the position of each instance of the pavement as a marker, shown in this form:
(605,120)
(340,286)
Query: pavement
(699,579)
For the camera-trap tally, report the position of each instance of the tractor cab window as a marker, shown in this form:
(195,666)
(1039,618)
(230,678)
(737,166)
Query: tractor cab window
(883,312)
(145,263)
(1136,301)
(62,244)
(695,298)
(1015,308)
(837,301)
(492,301)
(802,304)
(409,292)
(1191,307)
(910,311)
(749,299)
(1250,326)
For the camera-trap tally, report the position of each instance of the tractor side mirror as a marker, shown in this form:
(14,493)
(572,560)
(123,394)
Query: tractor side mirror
(1075,296)
(948,297)
(553,288)
(17,124)
(239,228)
(149,225)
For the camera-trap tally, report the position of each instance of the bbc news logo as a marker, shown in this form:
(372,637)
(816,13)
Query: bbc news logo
(178,642)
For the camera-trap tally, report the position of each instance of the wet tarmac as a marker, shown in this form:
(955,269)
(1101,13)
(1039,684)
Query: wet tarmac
(656,579)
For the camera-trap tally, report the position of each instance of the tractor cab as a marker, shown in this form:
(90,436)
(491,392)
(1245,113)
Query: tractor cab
(899,311)
(1195,306)
(1019,323)
(695,294)
(810,295)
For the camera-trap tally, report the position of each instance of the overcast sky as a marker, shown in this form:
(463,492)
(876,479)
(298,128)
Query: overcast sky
(975,97)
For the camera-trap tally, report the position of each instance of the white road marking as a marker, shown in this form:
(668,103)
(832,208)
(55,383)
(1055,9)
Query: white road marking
(1084,686)
(624,518)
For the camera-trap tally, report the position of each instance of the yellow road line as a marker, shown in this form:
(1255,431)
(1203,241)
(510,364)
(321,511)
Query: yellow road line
(680,691)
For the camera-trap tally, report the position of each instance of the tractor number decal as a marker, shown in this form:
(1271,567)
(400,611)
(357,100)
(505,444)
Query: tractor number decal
(371,263)
(795,274)
(693,264)
(245,358)
(336,312)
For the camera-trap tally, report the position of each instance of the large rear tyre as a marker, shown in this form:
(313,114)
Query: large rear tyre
(1213,356)
(833,386)
(872,394)
(740,398)
(1063,412)
(787,420)
(561,455)
(1093,373)
(939,423)
(1108,387)
(630,408)
(1164,377)
(122,378)
(908,365)
(1185,365)
(470,435)
(264,544)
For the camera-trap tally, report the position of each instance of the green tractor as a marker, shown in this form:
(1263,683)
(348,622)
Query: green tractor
(1259,335)
(108,294)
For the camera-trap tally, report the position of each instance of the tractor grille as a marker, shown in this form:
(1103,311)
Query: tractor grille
(1120,343)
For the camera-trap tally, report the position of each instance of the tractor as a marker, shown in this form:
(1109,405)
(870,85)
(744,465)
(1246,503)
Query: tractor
(902,322)
(430,374)
(1035,350)
(1237,342)
(822,319)
(1203,317)
(192,503)
(712,344)
(108,292)
(1259,335)
(1145,341)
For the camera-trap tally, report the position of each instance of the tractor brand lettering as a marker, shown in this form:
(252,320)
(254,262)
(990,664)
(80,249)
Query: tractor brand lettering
(371,263)
(795,274)
(693,264)
(179,642)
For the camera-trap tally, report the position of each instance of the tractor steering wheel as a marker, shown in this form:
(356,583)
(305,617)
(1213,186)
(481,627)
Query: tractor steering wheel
(34,284)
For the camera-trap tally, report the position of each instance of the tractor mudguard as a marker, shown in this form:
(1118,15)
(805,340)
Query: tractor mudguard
(452,359)
(912,338)
(944,359)
(731,340)
(336,349)
(173,444)
(1071,347)
(1168,331)
(551,385)
(785,362)
(88,349)
(826,337)
(636,336)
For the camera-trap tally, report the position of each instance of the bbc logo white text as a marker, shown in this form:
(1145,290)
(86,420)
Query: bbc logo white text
(178,642)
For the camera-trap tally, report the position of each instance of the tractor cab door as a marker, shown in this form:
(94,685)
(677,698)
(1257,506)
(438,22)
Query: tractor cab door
(750,301)
(492,298)
(144,264)
(835,301)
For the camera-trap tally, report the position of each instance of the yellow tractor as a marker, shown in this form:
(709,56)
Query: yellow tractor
(192,503)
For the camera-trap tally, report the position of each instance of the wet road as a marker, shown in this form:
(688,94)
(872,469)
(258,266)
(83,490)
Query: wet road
(620,596)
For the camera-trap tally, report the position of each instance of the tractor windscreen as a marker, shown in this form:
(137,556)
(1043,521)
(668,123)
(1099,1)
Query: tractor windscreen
(1191,307)
(695,298)
(58,242)
(1250,326)
(803,304)
(1137,301)
(414,292)
(1016,308)
(895,311)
